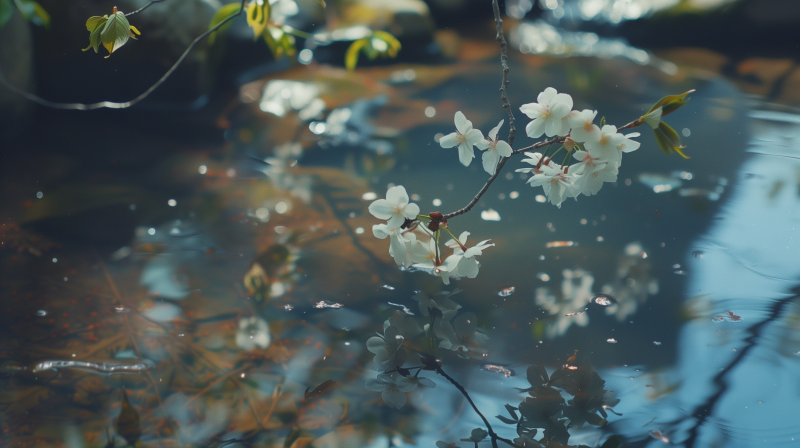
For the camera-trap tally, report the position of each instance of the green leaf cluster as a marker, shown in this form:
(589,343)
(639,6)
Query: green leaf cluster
(110,31)
(31,10)
(668,139)
(378,43)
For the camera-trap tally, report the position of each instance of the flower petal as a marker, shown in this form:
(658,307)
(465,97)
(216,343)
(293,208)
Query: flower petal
(465,154)
(532,110)
(490,159)
(535,128)
(449,140)
(382,209)
(393,397)
(397,195)
(462,124)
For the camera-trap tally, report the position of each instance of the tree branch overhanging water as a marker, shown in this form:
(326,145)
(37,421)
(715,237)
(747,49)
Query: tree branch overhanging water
(123,105)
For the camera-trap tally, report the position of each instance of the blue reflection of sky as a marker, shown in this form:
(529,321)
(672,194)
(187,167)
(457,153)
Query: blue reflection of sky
(737,381)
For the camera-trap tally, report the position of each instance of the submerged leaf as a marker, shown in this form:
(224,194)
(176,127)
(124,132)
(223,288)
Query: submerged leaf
(127,424)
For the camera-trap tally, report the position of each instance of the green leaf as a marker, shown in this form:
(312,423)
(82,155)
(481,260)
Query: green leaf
(258,16)
(95,26)
(279,42)
(33,12)
(391,41)
(95,22)
(6,11)
(223,13)
(670,103)
(116,32)
(668,140)
(351,56)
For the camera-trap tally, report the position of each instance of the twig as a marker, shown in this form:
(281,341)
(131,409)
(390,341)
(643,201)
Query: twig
(498,20)
(110,104)
(143,7)
(464,392)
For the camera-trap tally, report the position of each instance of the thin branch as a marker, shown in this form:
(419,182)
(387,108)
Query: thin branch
(464,392)
(540,145)
(113,105)
(498,20)
(143,7)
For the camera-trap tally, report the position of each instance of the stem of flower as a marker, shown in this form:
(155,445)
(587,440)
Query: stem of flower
(456,239)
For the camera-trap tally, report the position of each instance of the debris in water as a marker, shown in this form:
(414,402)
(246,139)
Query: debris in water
(731,317)
(500,369)
(577,313)
(326,304)
(656,343)
(490,215)
(404,309)
(505,292)
(611,341)
(603,300)
(659,436)
(288,307)
(560,244)
(389,287)
(102,367)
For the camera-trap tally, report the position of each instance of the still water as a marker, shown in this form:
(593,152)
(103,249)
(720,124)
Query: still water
(215,284)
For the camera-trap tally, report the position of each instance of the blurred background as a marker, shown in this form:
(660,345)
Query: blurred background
(185,271)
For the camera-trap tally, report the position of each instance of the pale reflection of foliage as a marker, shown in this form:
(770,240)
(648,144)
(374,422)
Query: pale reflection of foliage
(633,283)
(253,332)
(631,286)
(278,170)
(462,336)
(569,305)
(281,96)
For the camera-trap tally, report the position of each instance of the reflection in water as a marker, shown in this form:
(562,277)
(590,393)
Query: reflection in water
(539,37)
(632,285)
(736,376)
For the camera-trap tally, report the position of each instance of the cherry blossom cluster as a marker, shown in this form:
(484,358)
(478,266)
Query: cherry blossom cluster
(404,224)
(457,333)
(597,151)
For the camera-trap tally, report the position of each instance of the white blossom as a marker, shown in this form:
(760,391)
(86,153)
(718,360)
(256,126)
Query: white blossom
(549,114)
(610,144)
(465,138)
(467,264)
(582,127)
(495,149)
(399,244)
(395,208)
(557,185)
(593,172)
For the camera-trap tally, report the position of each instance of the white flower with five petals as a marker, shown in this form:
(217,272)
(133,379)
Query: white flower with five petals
(549,114)
(395,208)
(557,184)
(467,264)
(398,243)
(465,138)
(495,149)
(582,127)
